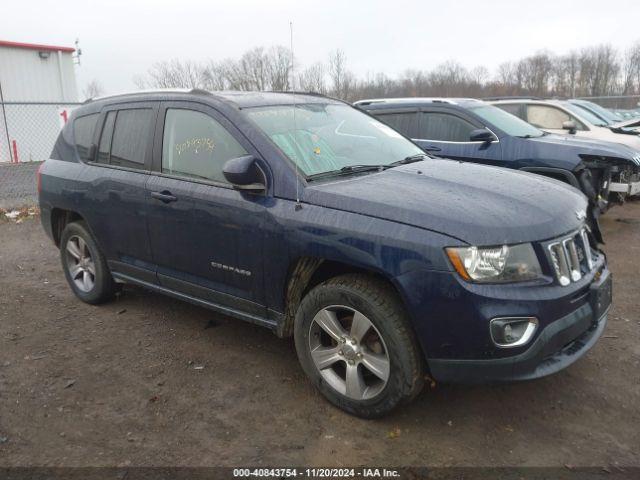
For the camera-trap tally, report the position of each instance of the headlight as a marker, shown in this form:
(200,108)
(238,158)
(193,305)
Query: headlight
(503,264)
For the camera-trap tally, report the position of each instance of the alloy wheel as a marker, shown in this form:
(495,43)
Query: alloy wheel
(80,264)
(349,352)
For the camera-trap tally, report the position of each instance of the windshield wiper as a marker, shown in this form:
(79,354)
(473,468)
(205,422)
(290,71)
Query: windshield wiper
(410,159)
(528,135)
(362,168)
(347,170)
(368,168)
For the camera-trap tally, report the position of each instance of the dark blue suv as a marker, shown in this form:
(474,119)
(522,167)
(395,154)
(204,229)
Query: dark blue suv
(475,131)
(304,215)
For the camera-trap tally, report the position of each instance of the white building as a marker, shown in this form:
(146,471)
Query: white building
(37,86)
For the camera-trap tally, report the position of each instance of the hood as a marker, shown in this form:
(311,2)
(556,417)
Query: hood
(628,123)
(587,146)
(478,204)
(610,134)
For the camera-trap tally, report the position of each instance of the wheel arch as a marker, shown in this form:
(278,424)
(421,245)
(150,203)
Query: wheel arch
(555,173)
(60,218)
(307,272)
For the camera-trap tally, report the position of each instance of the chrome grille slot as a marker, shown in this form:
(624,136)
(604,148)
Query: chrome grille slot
(571,257)
(559,259)
(586,248)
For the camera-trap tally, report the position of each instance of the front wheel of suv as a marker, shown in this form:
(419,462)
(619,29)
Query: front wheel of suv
(355,343)
(84,265)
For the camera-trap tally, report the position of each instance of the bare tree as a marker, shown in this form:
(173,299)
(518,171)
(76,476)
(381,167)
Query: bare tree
(341,79)
(507,75)
(566,73)
(593,71)
(93,89)
(279,69)
(312,79)
(214,77)
(535,73)
(631,70)
(172,74)
(413,83)
(479,74)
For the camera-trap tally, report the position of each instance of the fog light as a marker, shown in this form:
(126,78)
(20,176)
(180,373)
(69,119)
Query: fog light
(512,331)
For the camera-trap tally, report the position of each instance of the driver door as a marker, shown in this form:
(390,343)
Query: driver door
(206,237)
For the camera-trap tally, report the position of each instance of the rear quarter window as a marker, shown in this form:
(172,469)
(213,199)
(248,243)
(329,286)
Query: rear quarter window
(404,122)
(83,128)
(512,108)
(131,137)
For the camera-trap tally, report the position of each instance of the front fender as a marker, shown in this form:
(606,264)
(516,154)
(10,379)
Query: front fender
(382,246)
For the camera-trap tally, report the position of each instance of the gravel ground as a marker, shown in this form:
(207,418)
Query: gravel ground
(148,380)
(18,184)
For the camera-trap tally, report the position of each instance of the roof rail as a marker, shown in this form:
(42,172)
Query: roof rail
(451,101)
(513,97)
(199,91)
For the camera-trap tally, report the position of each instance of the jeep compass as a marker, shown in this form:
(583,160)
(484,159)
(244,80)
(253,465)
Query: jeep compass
(307,216)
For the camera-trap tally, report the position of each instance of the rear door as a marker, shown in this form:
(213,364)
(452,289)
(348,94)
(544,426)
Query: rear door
(404,120)
(116,201)
(206,237)
(447,133)
(517,109)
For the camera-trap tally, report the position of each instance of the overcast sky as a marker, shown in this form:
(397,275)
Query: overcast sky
(121,39)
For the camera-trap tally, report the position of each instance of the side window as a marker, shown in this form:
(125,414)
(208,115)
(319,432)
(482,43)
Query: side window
(405,122)
(444,127)
(83,128)
(131,137)
(104,149)
(195,145)
(543,116)
(512,108)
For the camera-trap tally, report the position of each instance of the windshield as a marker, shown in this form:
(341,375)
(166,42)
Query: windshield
(328,137)
(612,117)
(585,114)
(509,124)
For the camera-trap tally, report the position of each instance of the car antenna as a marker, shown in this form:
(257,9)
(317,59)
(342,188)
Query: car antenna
(295,127)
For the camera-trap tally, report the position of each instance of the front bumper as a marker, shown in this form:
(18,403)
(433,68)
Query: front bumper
(451,319)
(631,188)
(559,345)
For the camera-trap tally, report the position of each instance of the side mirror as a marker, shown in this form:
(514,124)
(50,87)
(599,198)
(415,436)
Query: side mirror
(245,174)
(482,135)
(571,126)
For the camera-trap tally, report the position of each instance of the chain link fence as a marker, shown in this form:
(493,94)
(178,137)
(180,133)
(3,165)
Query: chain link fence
(28,130)
(18,185)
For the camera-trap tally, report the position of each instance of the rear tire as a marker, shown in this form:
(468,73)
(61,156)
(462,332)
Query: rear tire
(354,342)
(84,265)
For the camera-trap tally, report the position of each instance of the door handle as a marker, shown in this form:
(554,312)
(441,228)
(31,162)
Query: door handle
(432,148)
(164,196)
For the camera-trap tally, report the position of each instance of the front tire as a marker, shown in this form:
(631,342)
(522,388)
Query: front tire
(355,343)
(84,265)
